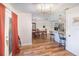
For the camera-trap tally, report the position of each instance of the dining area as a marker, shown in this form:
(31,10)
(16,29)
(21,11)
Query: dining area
(39,34)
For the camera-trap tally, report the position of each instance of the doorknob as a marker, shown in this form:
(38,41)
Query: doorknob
(69,35)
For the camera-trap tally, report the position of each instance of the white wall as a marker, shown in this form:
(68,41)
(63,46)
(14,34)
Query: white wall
(25,28)
(72,29)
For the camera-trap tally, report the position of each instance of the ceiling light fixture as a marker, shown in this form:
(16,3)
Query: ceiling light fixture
(44,8)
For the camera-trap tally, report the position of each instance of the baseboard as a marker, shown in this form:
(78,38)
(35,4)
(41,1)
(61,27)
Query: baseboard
(71,52)
(26,44)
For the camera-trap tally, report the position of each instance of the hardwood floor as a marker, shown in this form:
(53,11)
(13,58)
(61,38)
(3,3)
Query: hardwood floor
(43,47)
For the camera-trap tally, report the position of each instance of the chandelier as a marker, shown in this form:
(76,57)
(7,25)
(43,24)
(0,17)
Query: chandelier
(44,8)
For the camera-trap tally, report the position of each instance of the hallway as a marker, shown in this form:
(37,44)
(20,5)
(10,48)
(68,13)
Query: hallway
(43,47)
(29,29)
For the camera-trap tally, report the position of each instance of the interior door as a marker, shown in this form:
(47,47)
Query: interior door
(72,30)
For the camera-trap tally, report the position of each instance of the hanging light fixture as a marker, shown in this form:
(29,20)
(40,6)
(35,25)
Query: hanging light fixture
(45,8)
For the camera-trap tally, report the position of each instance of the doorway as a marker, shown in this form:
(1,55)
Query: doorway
(8,32)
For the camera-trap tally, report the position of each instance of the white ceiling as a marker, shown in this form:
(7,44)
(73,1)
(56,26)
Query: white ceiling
(31,7)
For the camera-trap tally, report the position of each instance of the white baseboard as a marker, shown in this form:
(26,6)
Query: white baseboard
(71,51)
(26,44)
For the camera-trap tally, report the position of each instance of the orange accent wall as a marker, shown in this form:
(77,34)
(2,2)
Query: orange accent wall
(2,21)
(15,46)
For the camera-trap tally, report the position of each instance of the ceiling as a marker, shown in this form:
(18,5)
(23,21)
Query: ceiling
(31,7)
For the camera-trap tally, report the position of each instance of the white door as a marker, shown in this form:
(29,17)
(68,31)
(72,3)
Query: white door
(72,30)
